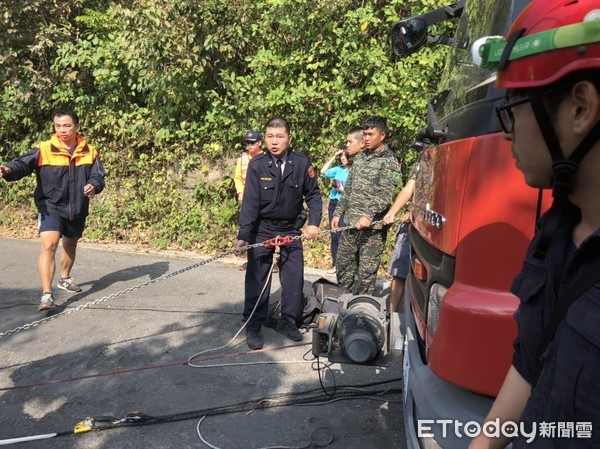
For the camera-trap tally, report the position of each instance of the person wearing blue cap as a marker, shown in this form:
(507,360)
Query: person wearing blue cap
(252,147)
(252,143)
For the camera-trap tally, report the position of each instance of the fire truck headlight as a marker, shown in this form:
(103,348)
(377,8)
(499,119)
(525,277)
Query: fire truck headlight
(436,295)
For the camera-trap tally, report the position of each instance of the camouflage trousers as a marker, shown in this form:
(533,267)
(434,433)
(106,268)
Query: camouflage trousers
(359,256)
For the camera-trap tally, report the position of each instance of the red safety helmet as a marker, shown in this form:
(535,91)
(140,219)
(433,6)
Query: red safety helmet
(550,40)
(562,54)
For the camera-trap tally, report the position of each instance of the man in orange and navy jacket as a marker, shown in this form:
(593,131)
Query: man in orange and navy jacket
(69,173)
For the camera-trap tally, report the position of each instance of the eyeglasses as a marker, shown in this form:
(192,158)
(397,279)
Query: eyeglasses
(505,114)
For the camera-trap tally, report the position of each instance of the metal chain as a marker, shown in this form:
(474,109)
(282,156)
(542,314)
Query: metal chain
(321,233)
(153,281)
(114,295)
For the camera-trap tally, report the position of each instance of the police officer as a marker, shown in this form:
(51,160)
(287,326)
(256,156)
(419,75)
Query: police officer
(277,184)
(549,65)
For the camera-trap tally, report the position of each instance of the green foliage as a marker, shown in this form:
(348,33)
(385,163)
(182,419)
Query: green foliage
(166,89)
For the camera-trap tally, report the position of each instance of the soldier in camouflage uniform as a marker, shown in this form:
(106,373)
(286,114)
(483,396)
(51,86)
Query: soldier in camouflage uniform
(368,195)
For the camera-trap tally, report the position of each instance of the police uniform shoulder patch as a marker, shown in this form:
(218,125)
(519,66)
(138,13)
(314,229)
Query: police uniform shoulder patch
(311,172)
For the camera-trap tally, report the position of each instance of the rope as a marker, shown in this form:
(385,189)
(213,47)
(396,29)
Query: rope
(161,365)
(303,398)
(320,437)
(154,281)
(275,259)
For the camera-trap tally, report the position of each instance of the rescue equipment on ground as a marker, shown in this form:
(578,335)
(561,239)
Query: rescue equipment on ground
(361,332)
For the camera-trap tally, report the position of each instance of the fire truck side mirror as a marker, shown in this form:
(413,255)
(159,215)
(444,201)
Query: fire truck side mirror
(409,35)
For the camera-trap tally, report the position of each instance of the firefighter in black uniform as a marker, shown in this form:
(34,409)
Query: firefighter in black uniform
(277,184)
(549,65)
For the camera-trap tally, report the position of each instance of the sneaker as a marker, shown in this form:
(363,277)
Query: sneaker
(68,285)
(254,340)
(47,302)
(332,271)
(290,330)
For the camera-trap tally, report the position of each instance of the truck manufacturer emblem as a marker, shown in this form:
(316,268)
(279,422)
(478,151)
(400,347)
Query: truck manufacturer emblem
(433,218)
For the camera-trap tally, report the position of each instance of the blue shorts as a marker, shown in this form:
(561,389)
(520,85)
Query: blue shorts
(72,229)
(401,255)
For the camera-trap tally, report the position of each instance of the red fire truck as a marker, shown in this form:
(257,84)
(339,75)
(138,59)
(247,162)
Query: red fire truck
(472,218)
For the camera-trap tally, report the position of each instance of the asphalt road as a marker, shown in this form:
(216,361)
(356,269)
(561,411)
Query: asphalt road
(128,352)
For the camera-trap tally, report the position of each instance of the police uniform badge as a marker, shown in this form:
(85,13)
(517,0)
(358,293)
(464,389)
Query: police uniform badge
(311,172)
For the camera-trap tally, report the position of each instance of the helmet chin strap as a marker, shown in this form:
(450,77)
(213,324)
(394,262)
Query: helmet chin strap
(563,169)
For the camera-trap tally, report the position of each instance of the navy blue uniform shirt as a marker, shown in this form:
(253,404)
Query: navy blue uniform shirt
(270,195)
(567,395)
